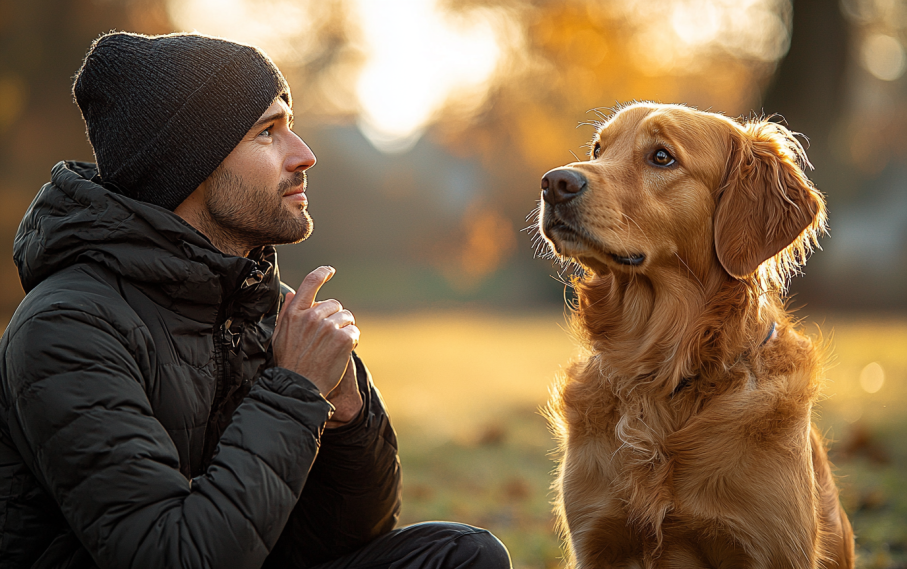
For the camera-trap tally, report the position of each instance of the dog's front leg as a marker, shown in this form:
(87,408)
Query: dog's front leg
(594,521)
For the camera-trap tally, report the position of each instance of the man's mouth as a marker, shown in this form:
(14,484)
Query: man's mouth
(294,186)
(296,189)
(297,196)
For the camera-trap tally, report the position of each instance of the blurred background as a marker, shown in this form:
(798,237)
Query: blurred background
(433,122)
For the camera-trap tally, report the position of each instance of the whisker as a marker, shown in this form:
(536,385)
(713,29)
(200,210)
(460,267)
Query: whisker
(621,243)
(643,233)
(701,286)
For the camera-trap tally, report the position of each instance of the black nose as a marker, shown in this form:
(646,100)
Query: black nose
(561,185)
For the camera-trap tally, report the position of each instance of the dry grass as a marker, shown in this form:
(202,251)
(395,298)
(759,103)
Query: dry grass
(451,374)
(464,392)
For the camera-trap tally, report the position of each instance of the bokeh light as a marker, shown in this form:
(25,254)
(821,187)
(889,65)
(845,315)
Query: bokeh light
(421,61)
(851,410)
(872,378)
(685,31)
(883,56)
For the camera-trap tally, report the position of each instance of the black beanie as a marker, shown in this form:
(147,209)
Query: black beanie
(162,112)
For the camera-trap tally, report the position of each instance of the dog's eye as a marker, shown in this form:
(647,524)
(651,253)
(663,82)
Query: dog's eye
(662,158)
(596,150)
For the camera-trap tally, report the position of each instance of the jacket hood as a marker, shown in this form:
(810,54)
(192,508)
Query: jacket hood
(73,219)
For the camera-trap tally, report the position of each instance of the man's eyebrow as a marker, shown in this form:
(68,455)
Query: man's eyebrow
(273,117)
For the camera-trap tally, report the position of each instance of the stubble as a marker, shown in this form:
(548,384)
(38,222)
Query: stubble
(242,216)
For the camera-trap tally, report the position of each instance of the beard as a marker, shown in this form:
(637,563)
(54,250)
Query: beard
(243,216)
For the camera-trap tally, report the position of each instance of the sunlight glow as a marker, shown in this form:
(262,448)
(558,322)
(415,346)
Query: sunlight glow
(418,57)
(407,64)
(751,29)
(250,21)
(872,378)
(696,25)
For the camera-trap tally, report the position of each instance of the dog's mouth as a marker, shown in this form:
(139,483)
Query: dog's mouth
(631,260)
(565,237)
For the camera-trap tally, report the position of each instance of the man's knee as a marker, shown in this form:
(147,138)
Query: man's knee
(480,549)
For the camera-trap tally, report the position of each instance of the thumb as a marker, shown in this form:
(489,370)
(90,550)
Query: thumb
(311,284)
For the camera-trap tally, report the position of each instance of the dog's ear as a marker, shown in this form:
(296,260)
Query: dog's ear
(766,204)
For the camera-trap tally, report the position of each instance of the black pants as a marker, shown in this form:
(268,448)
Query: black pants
(431,545)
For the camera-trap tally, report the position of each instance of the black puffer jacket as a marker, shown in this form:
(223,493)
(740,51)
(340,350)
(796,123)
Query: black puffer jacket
(142,422)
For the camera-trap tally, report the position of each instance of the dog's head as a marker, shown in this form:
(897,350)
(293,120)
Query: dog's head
(670,186)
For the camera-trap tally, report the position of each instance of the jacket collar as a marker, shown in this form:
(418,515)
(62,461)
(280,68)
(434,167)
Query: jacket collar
(73,219)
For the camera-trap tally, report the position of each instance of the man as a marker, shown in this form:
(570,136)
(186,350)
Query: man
(155,410)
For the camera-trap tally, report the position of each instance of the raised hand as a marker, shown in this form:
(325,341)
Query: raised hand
(315,339)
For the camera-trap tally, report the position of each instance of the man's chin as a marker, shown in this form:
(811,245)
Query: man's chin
(298,234)
(306,232)
(308,226)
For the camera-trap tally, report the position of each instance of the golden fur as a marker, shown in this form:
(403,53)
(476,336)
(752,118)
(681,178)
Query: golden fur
(686,437)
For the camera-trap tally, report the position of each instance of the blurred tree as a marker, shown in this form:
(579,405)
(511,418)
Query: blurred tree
(809,89)
(810,92)
(854,122)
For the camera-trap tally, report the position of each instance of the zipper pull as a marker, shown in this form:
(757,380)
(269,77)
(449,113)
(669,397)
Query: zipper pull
(230,338)
(254,278)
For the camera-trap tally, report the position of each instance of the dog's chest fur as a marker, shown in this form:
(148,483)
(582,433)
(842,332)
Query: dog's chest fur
(680,476)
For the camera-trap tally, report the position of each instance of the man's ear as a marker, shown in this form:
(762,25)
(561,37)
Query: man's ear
(766,204)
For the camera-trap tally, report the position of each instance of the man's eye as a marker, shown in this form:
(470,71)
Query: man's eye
(265,132)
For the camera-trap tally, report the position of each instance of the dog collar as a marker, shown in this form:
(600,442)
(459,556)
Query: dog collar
(772,334)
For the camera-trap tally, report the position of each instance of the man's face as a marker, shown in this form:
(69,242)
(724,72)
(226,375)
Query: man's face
(257,195)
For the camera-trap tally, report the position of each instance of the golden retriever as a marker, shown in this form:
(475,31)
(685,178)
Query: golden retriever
(685,431)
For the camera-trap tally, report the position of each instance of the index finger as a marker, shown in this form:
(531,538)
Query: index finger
(311,284)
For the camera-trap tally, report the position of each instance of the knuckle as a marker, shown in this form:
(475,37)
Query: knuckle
(343,339)
(326,308)
(321,310)
(309,316)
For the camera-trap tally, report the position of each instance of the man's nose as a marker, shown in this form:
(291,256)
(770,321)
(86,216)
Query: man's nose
(301,156)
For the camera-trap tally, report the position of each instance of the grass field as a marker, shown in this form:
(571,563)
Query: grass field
(464,393)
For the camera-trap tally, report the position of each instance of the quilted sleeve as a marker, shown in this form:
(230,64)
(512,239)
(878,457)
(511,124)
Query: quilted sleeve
(353,491)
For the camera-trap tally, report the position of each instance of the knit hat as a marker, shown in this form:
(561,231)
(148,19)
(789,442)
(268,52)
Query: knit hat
(162,112)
